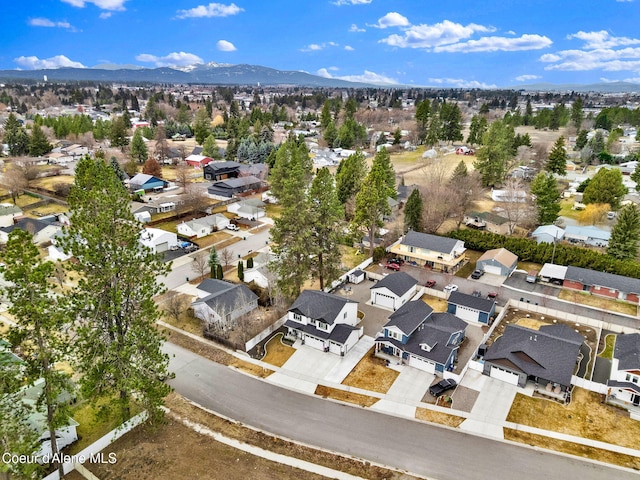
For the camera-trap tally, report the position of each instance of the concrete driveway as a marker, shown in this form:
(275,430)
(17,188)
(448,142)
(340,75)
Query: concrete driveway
(374,317)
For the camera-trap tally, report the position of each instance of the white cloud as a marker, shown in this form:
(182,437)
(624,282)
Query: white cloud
(211,10)
(105,15)
(366,77)
(349,48)
(45,22)
(461,83)
(600,59)
(351,2)
(316,47)
(176,59)
(225,46)
(102,4)
(525,78)
(602,39)
(494,44)
(35,63)
(355,29)
(429,36)
(392,19)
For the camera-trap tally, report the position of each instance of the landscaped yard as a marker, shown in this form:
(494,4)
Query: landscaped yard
(609,342)
(575,296)
(344,396)
(371,374)
(438,304)
(432,416)
(277,352)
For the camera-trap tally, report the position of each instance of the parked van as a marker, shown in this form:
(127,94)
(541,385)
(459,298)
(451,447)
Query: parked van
(532,276)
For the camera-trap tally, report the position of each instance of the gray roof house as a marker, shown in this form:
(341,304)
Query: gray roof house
(417,337)
(324,321)
(432,251)
(547,356)
(232,186)
(394,290)
(470,308)
(8,212)
(624,381)
(498,261)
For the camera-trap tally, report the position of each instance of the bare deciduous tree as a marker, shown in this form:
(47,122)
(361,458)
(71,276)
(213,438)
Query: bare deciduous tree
(226,256)
(516,203)
(175,304)
(195,200)
(435,188)
(183,176)
(15,181)
(201,263)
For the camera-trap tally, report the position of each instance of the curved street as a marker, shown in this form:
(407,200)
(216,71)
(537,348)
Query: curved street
(432,451)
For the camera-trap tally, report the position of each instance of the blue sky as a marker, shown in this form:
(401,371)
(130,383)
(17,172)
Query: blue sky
(490,43)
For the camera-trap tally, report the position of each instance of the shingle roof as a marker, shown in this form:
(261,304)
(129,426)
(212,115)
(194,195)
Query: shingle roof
(339,334)
(500,255)
(602,279)
(399,283)
(627,351)
(225,296)
(547,353)
(476,303)
(236,182)
(489,217)
(319,305)
(427,241)
(409,316)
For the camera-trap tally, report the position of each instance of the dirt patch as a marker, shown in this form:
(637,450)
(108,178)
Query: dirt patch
(531,323)
(344,396)
(586,416)
(371,373)
(203,349)
(572,448)
(251,368)
(277,352)
(437,417)
(464,398)
(598,302)
(438,304)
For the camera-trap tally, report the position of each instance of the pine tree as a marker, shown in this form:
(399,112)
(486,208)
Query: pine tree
(413,212)
(213,262)
(118,134)
(623,244)
(450,122)
(15,136)
(201,126)
(558,157)
(118,346)
(493,159)
(545,189)
(240,271)
(138,149)
(210,148)
(349,176)
(38,143)
(423,113)
(606,186)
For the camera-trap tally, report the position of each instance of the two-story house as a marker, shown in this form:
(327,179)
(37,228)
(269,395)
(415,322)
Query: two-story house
(417,337)
(440,254)
(324,321)
(624,382)
(221,303)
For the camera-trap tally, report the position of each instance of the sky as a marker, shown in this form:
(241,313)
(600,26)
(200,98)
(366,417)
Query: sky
(462,44)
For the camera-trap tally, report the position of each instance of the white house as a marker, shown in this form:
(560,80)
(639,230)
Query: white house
(251,209)
(7,213)
(259,273)
(201,227)
(222,303)
(324,321)
(624,382)
(394,290)
(158,240)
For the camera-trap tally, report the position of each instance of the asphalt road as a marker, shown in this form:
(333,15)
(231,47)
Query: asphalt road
(435,452)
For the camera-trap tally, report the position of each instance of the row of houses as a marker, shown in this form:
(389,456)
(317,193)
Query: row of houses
(590,235)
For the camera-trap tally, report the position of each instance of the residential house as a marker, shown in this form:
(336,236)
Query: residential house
(417,337)
(42,229)
(393,290)
(394,209)
(498,261)
(56,253)
(604,284)
(624,382)
(470,308)
(258,170)
(440,254)
(221,303)
(216,171)
(260,273)
(324,321)
(198,161)
(8,212)
(201,227)
(593,236)
(158,240)
(405,190)
(251,208)
(548,234)
(230,187)
(148,183)
(487,221)
(547,356)
(517,196)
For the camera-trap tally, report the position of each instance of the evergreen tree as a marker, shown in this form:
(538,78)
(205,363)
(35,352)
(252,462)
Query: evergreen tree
(15,136)
(423,113)
(413,211)
(450,122)
(117,169)
(494,158)
(117,343)
(605,187)
(623,244)
(349,176)
(240,271)
(138,148)
(581,140)
(326,212)
(382,160)
(558,157)
(41,328)
(635,176)
(577,115)
(325,115)
(433,132)
(38,143)
(214,261)
(201,126)
(545,189)
(330,134)
(210,148)
(118,134)
(477,128)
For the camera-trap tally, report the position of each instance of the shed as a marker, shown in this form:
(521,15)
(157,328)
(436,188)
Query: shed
(357,276)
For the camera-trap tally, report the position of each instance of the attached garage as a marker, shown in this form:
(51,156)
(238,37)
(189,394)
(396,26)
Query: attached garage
(314,342)
(162,247)
(492,269)
(383,300)
(335,348)
(466,314)
(504,375)
(422,364)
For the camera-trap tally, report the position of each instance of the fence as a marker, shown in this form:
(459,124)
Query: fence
(589,385)
(343,278)
(265,333)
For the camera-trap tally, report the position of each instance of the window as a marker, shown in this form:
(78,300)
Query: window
(297,317)
(345,315)
(323,326)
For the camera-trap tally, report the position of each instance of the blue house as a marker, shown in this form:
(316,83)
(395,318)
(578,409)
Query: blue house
(417,337)
(148,183)
(471,308)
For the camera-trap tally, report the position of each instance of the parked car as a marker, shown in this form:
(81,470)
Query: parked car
(452,287)
(492,295)
(477,274)
(233,227)
(532,276)
(442,386)
(611,215)
(430,283)
(477,293)
(393,266)
(398,261)
(191,248)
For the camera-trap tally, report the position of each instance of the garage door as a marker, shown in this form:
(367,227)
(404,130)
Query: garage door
(500,374)
(384,300)
(334,348)
(466,314)
(313,342)
(492,269)
(422,364)
(162,247)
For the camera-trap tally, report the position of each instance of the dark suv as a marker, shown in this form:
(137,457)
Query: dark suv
(477,274)
(442,386)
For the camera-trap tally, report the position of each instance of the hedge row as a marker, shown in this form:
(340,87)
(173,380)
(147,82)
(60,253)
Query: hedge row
(529,251)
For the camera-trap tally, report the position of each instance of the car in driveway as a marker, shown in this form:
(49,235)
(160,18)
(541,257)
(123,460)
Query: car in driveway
(430,284)
(442,386)
(233,226)
(397,261)
(393,266)
(192,247)
(477,274)
(452,287)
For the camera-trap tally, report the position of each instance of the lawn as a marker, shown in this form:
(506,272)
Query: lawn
(598,302)
(438,304)
(473,257)
(49,183)
(371,374)
(277,352)
(344,396)
(586,416)
(609,342)
(432,416)
(273,210)
(350,256)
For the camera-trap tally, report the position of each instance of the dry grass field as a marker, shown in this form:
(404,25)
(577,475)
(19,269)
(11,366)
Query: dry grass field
(371,374)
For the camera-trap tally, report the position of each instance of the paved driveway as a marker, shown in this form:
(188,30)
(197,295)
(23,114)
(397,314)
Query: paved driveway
(374,317)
